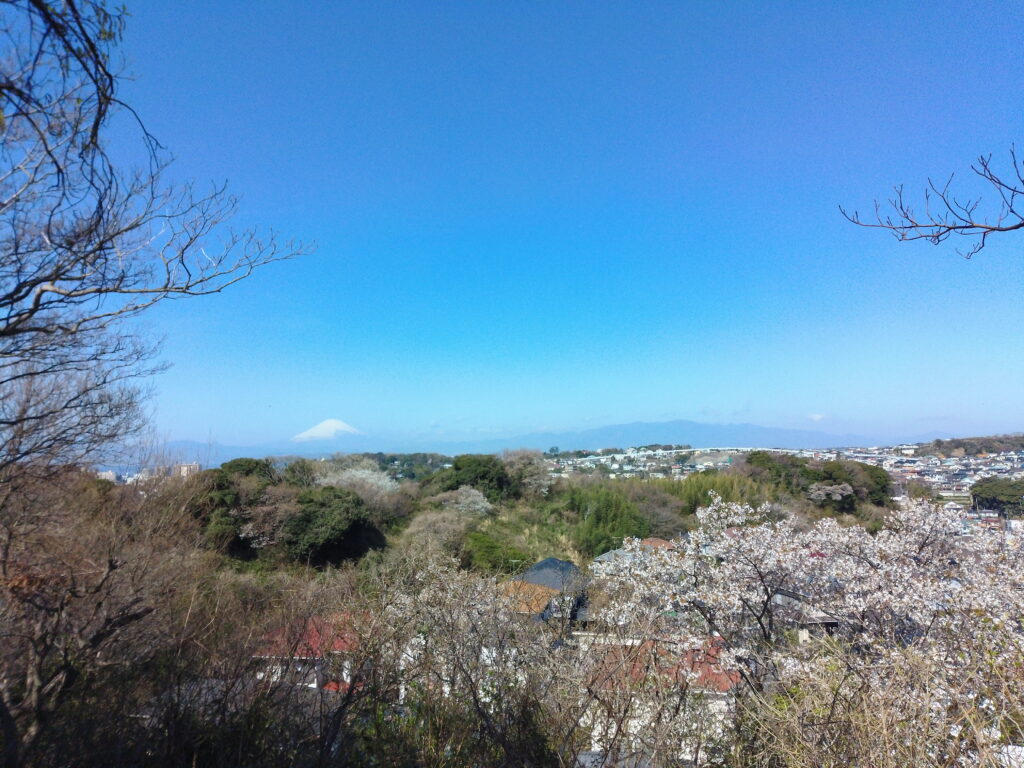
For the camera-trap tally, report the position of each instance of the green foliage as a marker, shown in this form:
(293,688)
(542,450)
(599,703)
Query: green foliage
(916,490)
(261,468)
(820,481)
(973,446)
(483,552)
(332,526)
(790,473)
(103,487)
(657,502)
(223,533)
(300,473)
(217,505)
(696,489)
(217,492)
(541,528)
(606,516)
(1000,494)
(835,472)
(878,485)
(685,457)
(453,731)
(409,466)
(484,472)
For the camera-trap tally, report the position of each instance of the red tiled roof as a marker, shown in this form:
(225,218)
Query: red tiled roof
(625,665)
(311,639)
(656,543)
(527,597)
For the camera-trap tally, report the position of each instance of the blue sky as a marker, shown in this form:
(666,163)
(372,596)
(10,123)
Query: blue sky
(537,216)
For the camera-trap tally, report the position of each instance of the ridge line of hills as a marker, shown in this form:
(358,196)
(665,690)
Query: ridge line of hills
(680,432)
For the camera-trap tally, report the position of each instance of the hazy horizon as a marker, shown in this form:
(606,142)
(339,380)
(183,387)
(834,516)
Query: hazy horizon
(344,439)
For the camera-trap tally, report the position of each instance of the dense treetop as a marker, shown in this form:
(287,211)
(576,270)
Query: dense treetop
(973,446)
(491,513)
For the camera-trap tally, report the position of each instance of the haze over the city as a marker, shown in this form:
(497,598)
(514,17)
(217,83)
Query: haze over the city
(571,216)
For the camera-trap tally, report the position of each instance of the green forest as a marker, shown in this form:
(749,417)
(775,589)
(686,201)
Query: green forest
(492,514)
(973,446)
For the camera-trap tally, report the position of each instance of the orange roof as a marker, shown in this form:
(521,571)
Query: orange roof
(526,597)
(656,543)
(623,666)
(311,639)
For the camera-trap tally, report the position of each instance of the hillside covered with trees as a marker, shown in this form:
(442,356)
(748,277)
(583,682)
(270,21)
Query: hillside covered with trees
(1001,494)
(973,446)
(494,514)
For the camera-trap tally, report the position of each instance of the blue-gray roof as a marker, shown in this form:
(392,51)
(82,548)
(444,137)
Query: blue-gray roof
(554,573)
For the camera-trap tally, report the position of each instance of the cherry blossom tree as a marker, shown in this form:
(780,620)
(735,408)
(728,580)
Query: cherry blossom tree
(911,635)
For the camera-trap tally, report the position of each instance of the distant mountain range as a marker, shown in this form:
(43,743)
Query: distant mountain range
(680,432)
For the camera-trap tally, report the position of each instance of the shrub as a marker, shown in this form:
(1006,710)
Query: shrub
(484,472)
(332,526)
(260,468)
(483,552)
(606,517)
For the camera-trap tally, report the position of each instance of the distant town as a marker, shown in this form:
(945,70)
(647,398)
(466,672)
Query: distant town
(947,477)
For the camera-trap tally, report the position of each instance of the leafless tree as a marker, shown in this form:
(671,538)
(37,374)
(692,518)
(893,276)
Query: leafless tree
(84,565)
(946,214)
(86,243)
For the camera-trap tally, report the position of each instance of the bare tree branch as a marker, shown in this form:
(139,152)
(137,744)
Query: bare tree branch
(946,215)
(86,244)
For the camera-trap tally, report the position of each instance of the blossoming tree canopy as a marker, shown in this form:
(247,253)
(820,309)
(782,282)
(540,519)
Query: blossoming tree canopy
(921,602)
